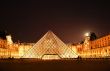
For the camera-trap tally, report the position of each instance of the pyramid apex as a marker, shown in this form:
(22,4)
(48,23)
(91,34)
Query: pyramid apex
(49,31)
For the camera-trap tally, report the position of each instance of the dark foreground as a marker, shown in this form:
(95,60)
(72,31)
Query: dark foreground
(56,65)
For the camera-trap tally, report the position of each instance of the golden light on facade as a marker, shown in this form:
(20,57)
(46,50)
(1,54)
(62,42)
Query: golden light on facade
(9,39)
(50,47)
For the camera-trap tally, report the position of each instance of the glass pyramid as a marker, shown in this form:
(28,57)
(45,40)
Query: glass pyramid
(50,47)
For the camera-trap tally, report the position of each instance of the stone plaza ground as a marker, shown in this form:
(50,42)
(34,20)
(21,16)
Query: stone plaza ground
(55,65)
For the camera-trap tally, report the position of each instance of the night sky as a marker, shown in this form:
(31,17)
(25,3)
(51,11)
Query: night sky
(28,21)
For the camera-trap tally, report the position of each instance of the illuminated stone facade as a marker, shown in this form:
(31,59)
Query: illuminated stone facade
(8,51)
(96,48)
(89,49)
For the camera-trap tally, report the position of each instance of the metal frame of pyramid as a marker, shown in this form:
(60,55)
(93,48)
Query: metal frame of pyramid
(50,44)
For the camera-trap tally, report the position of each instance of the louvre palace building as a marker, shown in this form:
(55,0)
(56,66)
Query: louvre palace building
(52,47)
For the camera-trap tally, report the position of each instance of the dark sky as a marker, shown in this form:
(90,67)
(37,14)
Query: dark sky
(28,21)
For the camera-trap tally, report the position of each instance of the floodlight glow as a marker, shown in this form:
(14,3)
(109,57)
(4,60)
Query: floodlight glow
(87,34)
